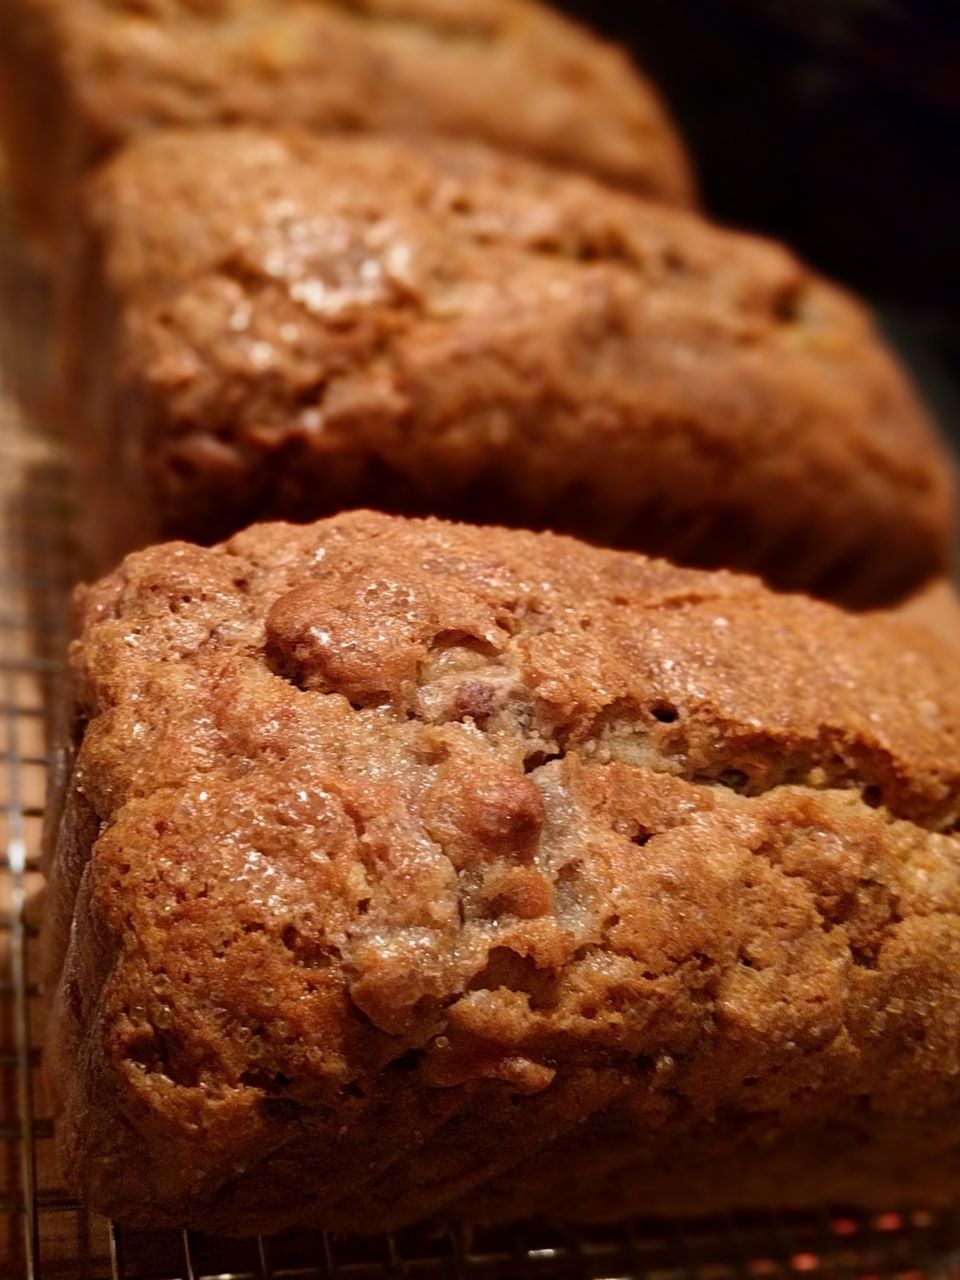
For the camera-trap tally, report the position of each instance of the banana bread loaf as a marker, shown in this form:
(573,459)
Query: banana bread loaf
(417,869)
(79,77)
(284,327)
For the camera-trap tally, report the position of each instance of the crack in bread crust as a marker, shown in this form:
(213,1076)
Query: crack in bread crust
(361,880)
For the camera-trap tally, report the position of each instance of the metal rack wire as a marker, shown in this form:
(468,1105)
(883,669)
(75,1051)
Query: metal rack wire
(44,1233)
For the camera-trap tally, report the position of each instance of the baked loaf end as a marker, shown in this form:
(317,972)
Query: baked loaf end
(283,327)
(80,77)
(409,869)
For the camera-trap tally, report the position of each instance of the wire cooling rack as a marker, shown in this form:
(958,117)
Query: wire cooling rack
(44,1233)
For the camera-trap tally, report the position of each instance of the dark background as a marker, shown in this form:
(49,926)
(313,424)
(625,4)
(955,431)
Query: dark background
(832,124)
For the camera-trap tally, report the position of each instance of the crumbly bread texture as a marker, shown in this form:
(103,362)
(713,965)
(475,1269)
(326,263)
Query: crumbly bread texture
(80,77)
(284,327)
(415,869)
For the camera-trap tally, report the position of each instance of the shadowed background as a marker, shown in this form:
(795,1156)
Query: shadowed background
(832,124)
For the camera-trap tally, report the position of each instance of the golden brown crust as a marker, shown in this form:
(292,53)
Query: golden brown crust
(417,868)
(80,77)
(285,327)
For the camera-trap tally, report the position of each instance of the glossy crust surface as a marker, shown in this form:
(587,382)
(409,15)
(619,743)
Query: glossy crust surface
(80,77)
(409,868)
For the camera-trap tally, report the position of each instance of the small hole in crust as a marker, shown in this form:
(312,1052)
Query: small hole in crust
(258,1078)
(864,957)
(508,970)
(407,1062)
(308,952)
(734,780)
(665,712)
(537,759)
(873,796)
(158,1052)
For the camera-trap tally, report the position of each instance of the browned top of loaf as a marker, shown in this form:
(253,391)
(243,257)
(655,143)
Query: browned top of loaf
(512,72)
(493,807)
(540,645)
(464,321)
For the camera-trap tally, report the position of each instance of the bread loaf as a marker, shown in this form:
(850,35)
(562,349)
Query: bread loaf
(409,869)
(264,326)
